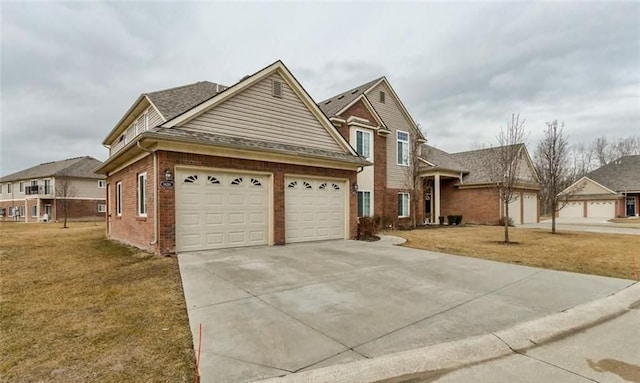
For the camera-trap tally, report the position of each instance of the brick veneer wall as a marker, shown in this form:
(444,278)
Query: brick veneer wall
(476,205)
(139,232)
(78,209)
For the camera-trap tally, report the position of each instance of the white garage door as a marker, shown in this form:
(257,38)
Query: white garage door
(514,210)
(217,210)
(314,209)
(530,208)
(572,210)
(601,209)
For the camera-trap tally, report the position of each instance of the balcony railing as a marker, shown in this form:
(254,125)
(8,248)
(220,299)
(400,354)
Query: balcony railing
(39,189)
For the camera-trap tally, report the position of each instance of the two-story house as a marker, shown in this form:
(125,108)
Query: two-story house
(205,166)
(38,193)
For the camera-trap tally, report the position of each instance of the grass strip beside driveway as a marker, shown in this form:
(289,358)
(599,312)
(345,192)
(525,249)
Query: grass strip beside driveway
(76,307)
(609,255)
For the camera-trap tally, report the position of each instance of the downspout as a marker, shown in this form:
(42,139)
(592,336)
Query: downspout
(155,192)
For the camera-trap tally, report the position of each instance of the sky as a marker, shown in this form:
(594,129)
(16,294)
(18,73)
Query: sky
(70,70)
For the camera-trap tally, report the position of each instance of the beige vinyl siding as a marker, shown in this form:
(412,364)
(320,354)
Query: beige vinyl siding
(85,188)
(130,133)
(395,120)
(525,172)
(256,114)
(588,188)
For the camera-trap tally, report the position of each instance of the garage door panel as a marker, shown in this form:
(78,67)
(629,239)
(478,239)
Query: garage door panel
(572,210)
(314,209)
(217,210)
(601,209)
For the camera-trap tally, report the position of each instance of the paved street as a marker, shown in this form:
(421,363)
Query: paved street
(273,311)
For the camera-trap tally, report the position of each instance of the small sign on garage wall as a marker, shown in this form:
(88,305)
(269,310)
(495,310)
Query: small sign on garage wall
(166,184)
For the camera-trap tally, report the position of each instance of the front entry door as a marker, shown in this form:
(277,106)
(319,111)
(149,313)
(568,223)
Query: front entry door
(427,205)
(47,211)
(631,206)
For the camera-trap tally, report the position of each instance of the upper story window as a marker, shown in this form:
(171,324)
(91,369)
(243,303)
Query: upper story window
(402,148)
(102,184)
(0,188)
(21,188)
(363,143)
(9,188)
(382,97)
(47,187)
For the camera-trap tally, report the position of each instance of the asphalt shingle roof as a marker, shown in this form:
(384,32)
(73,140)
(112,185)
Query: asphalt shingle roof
(333,104)
(620,175)
(479,163)
(238,142)
(442,160)
(79,167)
(174,101)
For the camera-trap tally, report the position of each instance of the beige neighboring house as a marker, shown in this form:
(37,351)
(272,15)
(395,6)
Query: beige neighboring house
(37,194)
(608,192)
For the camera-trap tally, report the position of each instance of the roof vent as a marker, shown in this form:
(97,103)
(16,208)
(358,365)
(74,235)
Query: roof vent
(244,78)
(327,102)
(354,91)
(276,88)
(340,97)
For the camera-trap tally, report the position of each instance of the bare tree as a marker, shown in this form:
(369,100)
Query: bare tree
(582,161)
(65,189)
(412,179)
(552,161)
(505,173)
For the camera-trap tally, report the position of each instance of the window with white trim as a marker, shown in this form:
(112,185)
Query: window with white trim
(34,210)
(12,211)
(119,198)
(21,211)
(142,194)
(403,204)
(47,187)
(21,188)
(1,188)
(9,188)
(363,143)
(102,208)
(102,184)
(402,139)
(364,203)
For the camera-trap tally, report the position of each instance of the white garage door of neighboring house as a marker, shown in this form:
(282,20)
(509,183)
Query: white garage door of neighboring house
(601,209)
(314,209)
(530,208)
(514,210)
(572,210)
(216,209)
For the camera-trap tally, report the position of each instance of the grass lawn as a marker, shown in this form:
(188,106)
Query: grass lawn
(589,253)
(75,307)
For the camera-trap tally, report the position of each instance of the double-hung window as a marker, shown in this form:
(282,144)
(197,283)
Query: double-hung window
(142,194)
(34,210)
(9,188)
(402,139)
(21,186)
(119,198)
(403,204)
(363,143)
(364,204)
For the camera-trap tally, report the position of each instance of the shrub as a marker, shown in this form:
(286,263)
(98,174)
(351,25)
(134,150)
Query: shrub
(368,226)
(387,223)
(501,222)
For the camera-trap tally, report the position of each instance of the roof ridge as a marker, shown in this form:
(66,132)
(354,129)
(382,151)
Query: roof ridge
(182,86)
(354,88)
(490,148)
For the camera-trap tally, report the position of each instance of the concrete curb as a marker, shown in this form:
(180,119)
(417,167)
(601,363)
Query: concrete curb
(450,356)
(392,239)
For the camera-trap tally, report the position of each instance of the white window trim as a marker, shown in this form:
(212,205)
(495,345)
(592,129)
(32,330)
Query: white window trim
(141,194)
(357,196)
(102,184)
(398,140)
(34,209)
(10,188)
(369,133)
(102,208)
(11,211)
(21,187)
(119,198)
(408,206)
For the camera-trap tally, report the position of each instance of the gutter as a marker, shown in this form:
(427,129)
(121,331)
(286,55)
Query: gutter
(155,192)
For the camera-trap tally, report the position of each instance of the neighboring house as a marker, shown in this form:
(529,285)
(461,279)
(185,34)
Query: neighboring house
(607,192)
(37,193)
(376,123)
(206,166)
(464,183)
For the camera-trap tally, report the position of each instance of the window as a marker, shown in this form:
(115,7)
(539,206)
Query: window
(142,194)
(34,210)
(21,211)
(403,148)
(12,211)
(9,188)
(363,143)
(47,187)
(403,204)
(119,198)
(382,97)
(0,189)
(102,184)
(364,204)
(21,186)
(102,208)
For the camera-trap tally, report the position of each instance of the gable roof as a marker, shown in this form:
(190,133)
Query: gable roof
(480,162)
(334,104)
(78,167)
(439,159)
(620,175)
(174,101)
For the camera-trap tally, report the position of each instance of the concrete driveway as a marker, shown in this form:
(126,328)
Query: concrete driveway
(272,311)
(591,225)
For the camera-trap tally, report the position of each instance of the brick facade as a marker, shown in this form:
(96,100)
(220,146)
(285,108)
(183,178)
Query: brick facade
(476,205)
(138,231)
(78,209)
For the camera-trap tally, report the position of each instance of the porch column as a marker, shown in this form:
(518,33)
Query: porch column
(436,197)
